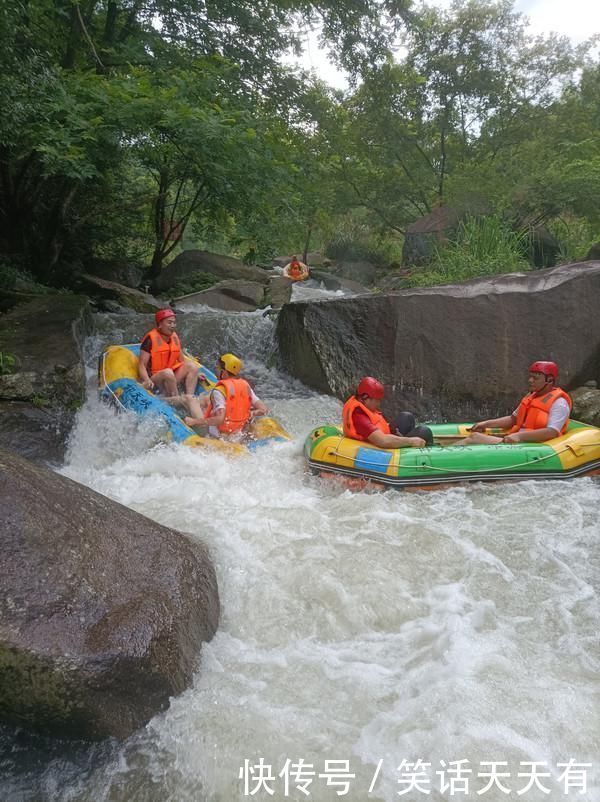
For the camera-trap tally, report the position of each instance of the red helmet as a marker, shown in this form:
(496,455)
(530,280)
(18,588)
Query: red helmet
(162,314)
(547,368)
(371,387)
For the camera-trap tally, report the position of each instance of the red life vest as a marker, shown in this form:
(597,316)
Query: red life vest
(376,419)
(238,404)
(533,411)
(163,353)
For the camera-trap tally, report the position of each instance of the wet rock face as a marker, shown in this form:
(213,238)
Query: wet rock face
(586,405)
(233,295)
(453,352)
(221,267)
(103,612)
(46,378)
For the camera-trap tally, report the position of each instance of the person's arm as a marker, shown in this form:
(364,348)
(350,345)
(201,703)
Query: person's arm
(258,407)
(531,436)
(381,440)
(558,415)
(497,423)
(143,363)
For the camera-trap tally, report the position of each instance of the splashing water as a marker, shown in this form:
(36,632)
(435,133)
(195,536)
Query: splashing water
(369,628)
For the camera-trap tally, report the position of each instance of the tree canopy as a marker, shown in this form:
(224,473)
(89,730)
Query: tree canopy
(126,126)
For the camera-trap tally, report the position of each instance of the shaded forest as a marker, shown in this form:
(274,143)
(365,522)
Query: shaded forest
(130,130)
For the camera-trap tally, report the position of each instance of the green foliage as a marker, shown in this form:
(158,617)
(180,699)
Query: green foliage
(482,247)
(7,363)
(354,241)
(195,283)
(576,237)
(16,280)
(130,129)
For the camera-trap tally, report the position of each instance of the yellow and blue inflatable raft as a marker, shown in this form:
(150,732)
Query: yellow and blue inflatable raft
(119,384)
(575,453)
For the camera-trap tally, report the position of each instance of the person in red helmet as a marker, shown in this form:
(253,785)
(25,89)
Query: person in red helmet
(162,366)
(363,420)
(542,414)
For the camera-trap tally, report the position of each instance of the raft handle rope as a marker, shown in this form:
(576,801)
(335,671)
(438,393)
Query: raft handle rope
(116,398)
(475,470)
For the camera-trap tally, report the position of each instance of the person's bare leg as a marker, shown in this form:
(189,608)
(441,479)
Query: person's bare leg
(196,407)
(165,381)
(187,374)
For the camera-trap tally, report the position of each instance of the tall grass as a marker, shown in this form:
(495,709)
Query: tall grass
(482,246)
(576,237)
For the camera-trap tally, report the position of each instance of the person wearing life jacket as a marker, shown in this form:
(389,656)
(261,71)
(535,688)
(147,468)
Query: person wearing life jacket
(363,420)
(161,365)
(231,405)
(541,415)
(295,269)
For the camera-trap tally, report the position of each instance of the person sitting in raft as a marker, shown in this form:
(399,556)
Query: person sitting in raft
(295,269)
(232,403)
(161,366)
(542,414)
(363,420)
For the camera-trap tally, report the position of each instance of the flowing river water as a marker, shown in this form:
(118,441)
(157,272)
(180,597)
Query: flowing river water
(360,632)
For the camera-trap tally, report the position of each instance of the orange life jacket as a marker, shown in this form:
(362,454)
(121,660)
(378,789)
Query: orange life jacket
(295,270)
(533,411)
(237,405)
(163,353)
(376,419)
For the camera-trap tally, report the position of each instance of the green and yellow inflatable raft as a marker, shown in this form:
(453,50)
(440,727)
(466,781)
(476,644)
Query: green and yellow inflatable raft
(119,384)
(576,453)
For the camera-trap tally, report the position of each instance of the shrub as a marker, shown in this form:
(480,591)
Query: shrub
(7,363)
(483,246)
(576,237)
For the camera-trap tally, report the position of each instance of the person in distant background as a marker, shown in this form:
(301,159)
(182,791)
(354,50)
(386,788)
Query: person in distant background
(295,268)
(161,364)
(231,405)
(363,420)
(542,414)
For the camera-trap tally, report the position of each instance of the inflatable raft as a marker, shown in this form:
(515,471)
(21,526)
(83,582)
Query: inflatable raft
(119,384)
(303,275)
(576,453)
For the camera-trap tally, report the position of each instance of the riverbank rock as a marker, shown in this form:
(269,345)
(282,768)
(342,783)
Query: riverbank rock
(231,296)
(428,232)
(279,291)
(110,292)
(45,382)
(362,272)
(221,267)
(450,352)
(586,404)
(334,282)
(123,272)
(103,611)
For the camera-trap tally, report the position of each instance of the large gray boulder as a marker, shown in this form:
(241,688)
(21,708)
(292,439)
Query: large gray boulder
(279,291)
(586,404)
(362,272)
(428,232)
(111,291)
(46,383)
(221,267)
(335,283)
(453,352)
(234,295)
(102,613)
